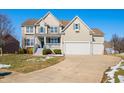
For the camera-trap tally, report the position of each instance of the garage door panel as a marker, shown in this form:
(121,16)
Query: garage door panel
(98,49)
(77,48)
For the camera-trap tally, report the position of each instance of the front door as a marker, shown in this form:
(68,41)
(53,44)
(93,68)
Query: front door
(42,42)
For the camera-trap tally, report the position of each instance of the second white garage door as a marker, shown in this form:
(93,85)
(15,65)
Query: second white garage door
(77,48)
(98,49)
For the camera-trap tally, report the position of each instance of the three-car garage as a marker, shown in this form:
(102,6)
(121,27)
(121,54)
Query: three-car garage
(83,48)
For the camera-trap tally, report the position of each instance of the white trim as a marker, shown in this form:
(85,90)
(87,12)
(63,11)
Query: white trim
(42,18)
(74,20)
(84,42)
(97,42)
(77,41)
(50,14)
(29,46)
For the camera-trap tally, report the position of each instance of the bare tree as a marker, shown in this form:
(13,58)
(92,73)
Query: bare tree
(6,27)
(122,44)
(118,43)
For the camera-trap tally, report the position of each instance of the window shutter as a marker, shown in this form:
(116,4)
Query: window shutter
(58,40)
(79,26)
(39,29)
(74,26)
(43,29)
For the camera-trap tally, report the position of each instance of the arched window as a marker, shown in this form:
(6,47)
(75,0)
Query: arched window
(42,30)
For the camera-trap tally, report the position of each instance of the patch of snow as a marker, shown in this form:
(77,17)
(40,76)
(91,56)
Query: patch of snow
(122,67)
(4,66)
(121,78)
(55,55)
(122,54)
(111,80)
(111,73)
(48,57)
(43,59)
(30,59)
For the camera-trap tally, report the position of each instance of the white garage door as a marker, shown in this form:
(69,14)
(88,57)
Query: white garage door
(98,49)
(77,48)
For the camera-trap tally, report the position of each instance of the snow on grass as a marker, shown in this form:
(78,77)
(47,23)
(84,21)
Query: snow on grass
(4,66)
(122,67)
(121,78)
(111,73)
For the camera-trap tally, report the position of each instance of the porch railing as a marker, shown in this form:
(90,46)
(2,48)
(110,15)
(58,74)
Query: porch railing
(52,45)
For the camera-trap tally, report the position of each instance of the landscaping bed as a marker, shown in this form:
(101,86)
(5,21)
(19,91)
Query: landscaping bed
(25,63)
(115,74)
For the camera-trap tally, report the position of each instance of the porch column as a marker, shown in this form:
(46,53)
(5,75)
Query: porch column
(45,41)
(34,44)
(61,47)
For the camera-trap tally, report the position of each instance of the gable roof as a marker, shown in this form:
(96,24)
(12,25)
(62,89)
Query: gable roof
(29,22)
(96,32)
(76,17)
(42,18)
(64,22)
(9,38)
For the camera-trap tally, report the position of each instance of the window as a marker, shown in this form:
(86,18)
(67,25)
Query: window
(54,40)
(76,27)
(42,29)
(53,29)
(29,29)
(93,39)
(29,42)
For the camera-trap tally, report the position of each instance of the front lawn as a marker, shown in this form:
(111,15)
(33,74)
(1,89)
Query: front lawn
(25,63)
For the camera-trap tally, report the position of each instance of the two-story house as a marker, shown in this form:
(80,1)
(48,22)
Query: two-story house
(72,37)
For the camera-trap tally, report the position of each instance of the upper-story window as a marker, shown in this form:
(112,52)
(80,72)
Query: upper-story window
(76,27)
(42,30)
(53,29)
(29,29)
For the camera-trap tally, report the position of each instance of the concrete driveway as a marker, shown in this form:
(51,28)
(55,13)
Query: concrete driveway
(73,69)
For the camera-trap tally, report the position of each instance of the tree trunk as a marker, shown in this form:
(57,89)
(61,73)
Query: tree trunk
(1,52)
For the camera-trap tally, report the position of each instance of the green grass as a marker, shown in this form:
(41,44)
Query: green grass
(118,55)
(122,64)
(119,72)
(27,63)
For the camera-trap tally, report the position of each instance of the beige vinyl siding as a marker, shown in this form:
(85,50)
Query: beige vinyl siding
(82,35)
(98,39)
(51,20)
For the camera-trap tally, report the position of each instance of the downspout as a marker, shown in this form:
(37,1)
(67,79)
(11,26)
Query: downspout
(34,49)
(91,45)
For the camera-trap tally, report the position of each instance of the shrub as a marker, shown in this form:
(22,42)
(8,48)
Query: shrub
(22,51)
(29,50)
(57,51)
(47,51)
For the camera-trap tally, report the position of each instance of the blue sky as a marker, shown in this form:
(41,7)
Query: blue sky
(109,21)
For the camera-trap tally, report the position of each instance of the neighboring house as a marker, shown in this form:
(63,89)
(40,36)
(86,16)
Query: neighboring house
(109,49)
(72,37)
(11,45)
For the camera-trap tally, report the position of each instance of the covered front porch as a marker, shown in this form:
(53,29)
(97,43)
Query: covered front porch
(50,42)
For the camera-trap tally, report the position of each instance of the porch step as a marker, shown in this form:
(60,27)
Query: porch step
(38,52)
